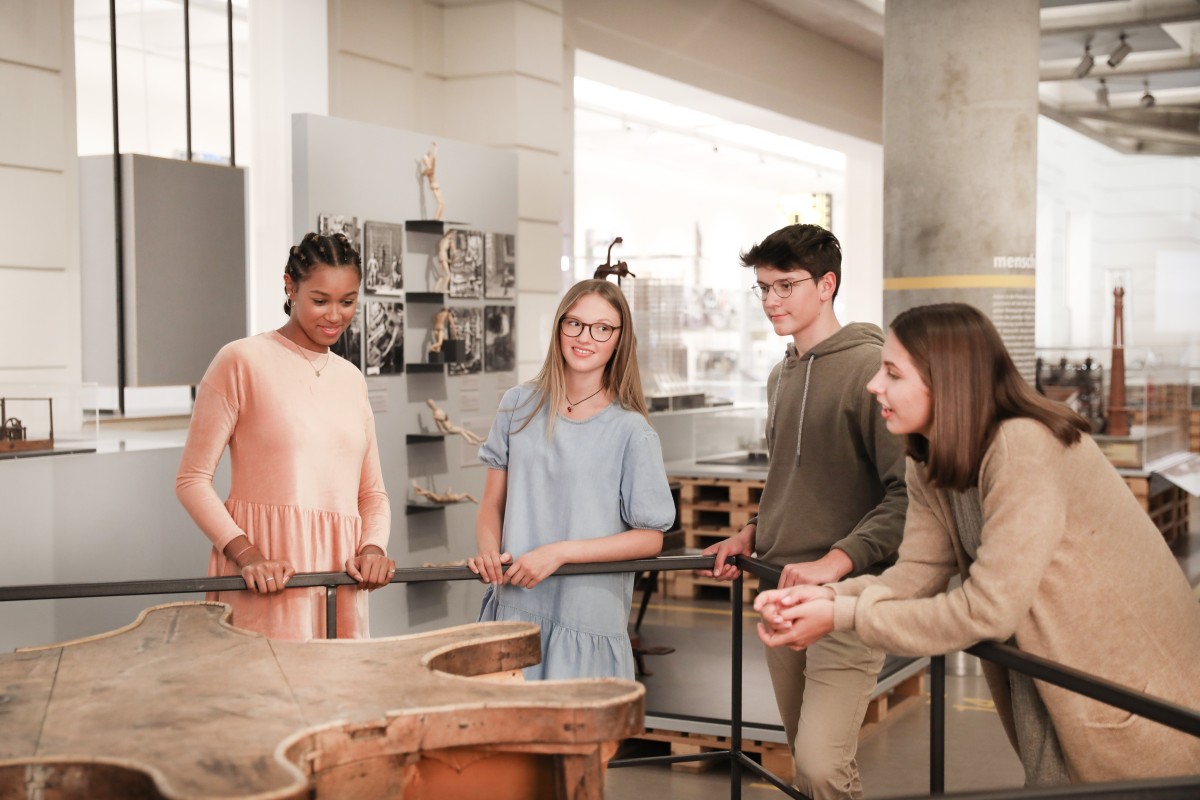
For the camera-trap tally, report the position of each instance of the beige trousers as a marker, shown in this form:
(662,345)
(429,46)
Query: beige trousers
(822,694)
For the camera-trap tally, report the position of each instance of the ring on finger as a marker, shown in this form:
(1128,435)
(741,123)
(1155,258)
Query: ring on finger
(270,579)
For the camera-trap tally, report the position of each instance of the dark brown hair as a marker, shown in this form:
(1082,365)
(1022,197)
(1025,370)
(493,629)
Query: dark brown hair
(973,387)
(807,247)
(334,250)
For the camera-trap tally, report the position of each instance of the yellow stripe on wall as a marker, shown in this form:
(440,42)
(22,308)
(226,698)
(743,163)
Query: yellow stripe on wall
(960,282)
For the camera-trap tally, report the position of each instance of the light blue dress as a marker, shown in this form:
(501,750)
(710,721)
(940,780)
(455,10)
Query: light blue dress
(593,478)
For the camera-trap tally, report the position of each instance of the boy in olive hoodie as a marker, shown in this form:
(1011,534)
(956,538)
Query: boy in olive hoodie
(834,501)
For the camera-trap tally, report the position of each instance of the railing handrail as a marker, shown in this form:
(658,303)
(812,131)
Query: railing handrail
(1153,708)
(232,583)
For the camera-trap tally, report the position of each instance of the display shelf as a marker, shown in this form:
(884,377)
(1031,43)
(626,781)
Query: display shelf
(423,367)
(427,297)
(421,508)
(421,438)
(437,226)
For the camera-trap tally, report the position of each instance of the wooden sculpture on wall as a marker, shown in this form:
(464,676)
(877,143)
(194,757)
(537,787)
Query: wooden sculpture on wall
(445,498)
(1118,413)
(181,704)
(429,172)
(444,425)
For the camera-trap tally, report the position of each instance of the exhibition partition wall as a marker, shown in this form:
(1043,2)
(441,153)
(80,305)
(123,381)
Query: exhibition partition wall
(366,180)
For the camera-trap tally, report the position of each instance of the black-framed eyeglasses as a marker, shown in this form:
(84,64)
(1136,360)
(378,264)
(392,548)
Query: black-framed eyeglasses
(782,287)
(599,331)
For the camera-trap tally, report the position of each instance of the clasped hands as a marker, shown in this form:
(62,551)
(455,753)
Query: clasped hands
(794,617)
(526,572)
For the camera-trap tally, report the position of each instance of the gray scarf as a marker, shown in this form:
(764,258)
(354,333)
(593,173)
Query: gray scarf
(1037,742)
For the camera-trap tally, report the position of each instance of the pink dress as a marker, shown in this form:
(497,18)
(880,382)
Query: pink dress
(306,484)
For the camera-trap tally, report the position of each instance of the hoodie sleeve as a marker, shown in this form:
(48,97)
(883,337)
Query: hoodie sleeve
(876,537)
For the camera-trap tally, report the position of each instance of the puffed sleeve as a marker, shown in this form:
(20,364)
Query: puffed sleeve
(494,451)
(214,418)
(645,495)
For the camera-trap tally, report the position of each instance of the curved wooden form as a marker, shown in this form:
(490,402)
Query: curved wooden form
(180,704)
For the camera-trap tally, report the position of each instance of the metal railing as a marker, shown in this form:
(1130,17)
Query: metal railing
(1161,711)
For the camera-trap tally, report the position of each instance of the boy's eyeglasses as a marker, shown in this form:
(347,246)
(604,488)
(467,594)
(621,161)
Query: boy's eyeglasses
(783,288)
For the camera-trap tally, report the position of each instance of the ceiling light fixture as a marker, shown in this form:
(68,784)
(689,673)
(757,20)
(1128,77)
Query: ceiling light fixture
(1085,64)
(1102,94)
(1118,55)
(1147,100)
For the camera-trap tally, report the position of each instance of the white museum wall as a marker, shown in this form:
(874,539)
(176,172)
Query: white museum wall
(1103,218)
(39,260)
(739,50)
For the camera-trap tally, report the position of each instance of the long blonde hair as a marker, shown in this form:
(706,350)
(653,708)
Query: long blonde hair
(621,378)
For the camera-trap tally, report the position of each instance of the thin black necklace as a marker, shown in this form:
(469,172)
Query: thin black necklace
(571,405)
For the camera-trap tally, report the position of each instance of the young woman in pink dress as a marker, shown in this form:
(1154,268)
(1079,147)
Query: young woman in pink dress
(306,493)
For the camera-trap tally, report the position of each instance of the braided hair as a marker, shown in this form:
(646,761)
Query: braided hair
(315,249)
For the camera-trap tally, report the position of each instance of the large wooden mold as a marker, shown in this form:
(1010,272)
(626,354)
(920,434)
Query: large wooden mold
(180,704)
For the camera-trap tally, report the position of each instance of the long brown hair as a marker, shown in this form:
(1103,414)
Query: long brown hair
(973,387)
(621,378)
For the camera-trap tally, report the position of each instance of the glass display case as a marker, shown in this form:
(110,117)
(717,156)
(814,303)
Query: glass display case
(1157,395)
(39,419)
(736,437)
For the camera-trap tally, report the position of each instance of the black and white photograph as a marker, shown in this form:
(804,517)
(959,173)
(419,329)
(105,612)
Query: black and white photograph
(500,266)
(383,257)
(469,322)
(329,224)
(466,264)
(499,352)
(349,344)
(385,338)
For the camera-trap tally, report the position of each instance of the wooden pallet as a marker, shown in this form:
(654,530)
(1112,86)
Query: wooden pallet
(720,490)
(776,756)
(716,515)
(683,585)
(1169,507)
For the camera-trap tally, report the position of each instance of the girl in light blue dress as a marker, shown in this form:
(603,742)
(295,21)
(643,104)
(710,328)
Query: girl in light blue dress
(575,475)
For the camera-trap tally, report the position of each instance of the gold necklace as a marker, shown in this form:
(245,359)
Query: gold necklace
(311,363)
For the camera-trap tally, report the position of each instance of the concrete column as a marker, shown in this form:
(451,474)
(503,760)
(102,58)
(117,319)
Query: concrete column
(504,77)
(960,160)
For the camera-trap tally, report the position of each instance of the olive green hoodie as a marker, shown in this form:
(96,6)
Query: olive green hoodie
(835,477)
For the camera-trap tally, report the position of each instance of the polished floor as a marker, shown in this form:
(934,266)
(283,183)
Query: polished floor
(893,757)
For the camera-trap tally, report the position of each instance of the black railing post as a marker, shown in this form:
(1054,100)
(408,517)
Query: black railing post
(331,611)
(735,700)
(937,725)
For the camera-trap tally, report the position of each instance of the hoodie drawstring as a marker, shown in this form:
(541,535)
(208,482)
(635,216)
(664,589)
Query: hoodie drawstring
(803,408)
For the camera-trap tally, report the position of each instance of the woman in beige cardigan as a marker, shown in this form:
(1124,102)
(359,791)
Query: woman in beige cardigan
(1007,491)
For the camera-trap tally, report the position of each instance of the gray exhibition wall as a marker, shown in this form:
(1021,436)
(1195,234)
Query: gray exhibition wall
(371,173)
(184,270)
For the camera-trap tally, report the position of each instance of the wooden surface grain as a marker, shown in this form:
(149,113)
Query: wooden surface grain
(182,704)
